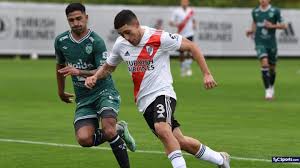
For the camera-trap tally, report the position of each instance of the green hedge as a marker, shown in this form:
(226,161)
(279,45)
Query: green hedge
(211,3)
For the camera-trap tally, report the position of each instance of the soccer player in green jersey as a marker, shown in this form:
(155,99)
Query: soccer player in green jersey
(266,19)
(79,52)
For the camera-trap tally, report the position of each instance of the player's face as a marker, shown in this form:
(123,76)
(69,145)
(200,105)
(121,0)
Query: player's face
(131,32)
(264,3)
(77,21)
(185,3)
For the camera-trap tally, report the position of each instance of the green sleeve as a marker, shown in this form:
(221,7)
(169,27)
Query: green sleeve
(100,52)
(279,18)
(253,16)
(60,59)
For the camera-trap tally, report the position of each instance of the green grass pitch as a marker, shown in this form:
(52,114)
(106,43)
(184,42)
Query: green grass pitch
(233,117)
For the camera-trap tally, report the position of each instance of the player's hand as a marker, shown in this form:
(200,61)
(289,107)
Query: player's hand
(249,33)
(68,70)
(268,24)
(90,82)
(66,97)
(209,81)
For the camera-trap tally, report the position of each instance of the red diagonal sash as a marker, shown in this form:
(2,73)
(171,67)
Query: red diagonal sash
(184,22)
(137,76)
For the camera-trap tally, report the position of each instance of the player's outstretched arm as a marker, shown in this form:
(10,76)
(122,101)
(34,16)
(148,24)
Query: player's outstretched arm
(64,96)
(101,73)
(69,70)
(187,45)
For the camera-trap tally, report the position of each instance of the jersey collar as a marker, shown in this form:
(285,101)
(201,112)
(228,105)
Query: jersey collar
(264,10)
(82,39)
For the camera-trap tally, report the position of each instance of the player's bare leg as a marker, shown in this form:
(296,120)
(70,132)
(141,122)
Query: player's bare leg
(85,133)
(172,147)
(200,151)
(88,134)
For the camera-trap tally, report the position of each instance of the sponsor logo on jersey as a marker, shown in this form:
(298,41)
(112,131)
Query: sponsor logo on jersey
(89,48)
(127,54)
(65,47)
(260,24)
(288,35)
(81,65)
(140,65)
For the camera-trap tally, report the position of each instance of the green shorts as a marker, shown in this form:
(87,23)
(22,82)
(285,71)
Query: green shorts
(270,53)
(107,99)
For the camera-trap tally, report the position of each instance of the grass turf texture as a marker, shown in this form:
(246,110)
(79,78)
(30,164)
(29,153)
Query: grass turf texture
(234,117)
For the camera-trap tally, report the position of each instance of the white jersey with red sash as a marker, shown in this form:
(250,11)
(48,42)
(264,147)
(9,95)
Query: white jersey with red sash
(184,18)
(148,63)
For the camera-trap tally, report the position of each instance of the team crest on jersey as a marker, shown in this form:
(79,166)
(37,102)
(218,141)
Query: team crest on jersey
(89,48)
(271,14)
(149,50)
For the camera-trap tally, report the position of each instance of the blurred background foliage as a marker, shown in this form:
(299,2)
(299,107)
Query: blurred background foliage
(207,3)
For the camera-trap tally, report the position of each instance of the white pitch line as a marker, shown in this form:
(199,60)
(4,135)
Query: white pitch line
(105,148)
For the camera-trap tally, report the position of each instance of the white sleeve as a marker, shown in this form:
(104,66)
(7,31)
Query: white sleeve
(114,58)
(170,42)
(193,17)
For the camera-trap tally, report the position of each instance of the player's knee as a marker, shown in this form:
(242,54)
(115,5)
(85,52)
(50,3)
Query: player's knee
(85,140)
(109,132)
(182,142)
(265,64)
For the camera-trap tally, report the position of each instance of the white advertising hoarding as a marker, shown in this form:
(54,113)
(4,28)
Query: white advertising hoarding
(27,28)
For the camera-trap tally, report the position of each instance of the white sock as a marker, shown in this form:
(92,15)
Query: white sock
(182,66)
(205,153)
(177,159)
(189,62)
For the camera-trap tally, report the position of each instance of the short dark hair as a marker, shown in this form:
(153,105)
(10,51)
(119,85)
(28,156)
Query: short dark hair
(75,7)
(124,17)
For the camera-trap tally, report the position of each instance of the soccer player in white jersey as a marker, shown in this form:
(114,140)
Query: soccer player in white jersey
(183,19)
(145,51)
